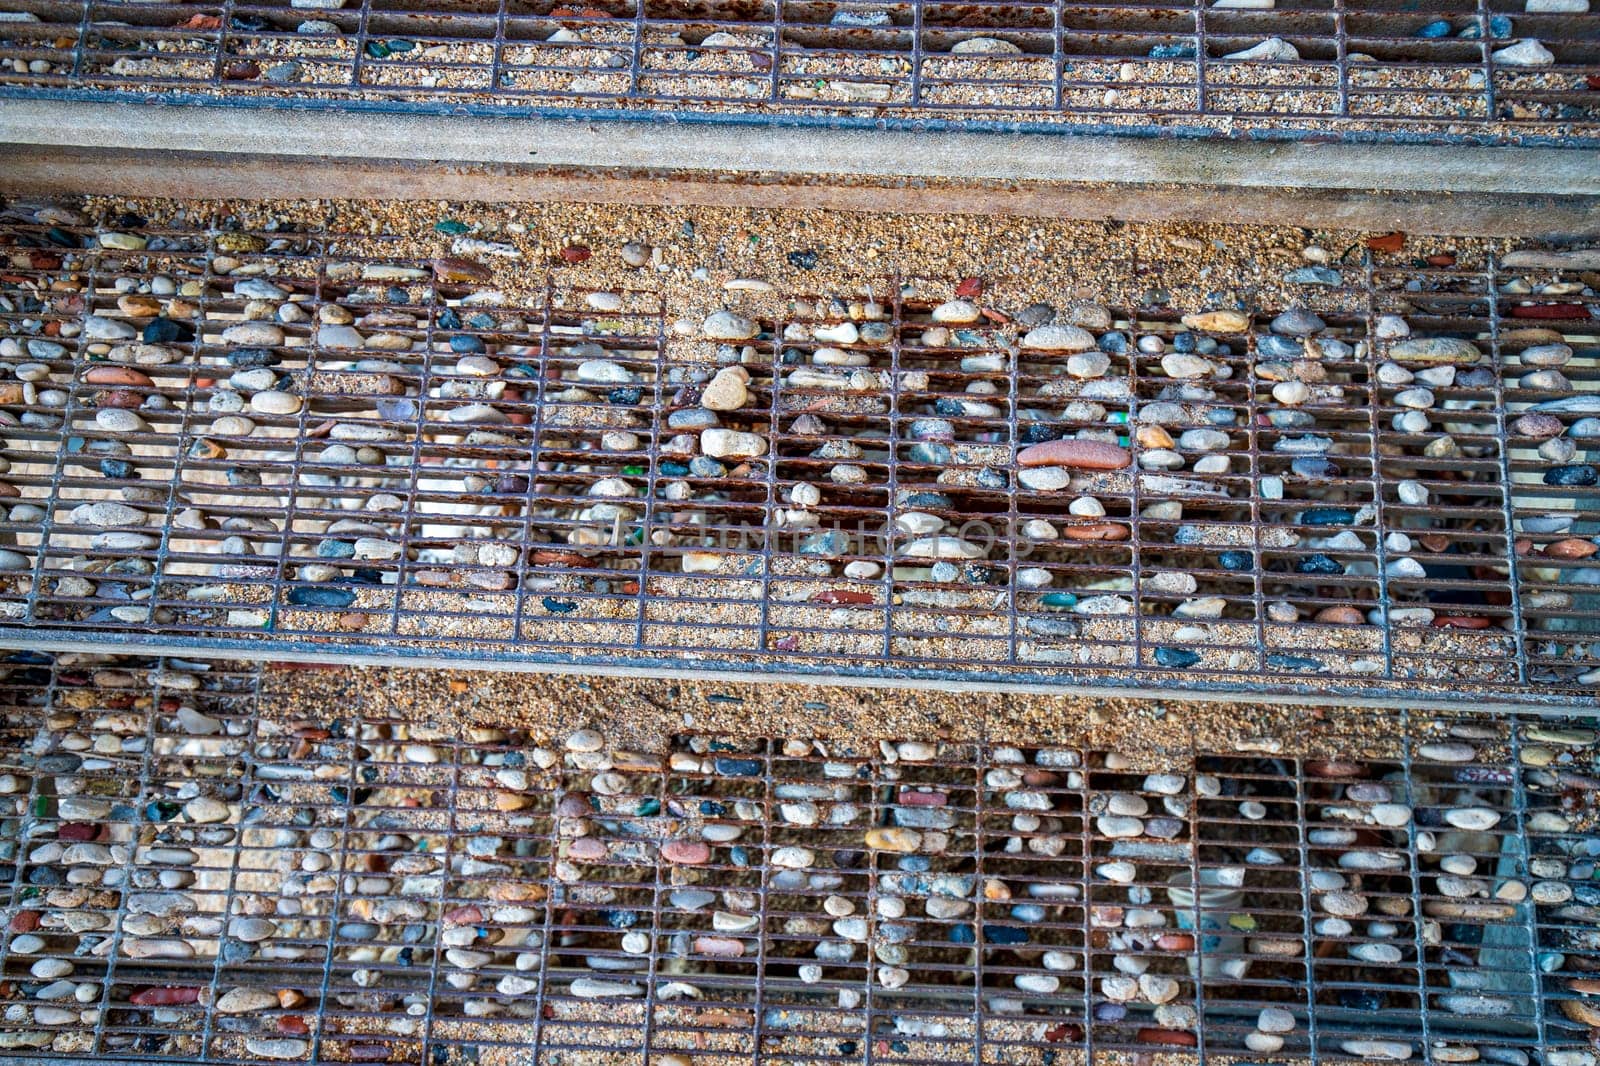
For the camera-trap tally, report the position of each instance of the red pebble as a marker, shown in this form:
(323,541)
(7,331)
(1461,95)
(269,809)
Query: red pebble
(849,596)
(910,797)
(1549,311)
(969,288)
(1461,621)
(293,1024)
(77,831)
(24,922)
(468,915)
(1389,242)
(575,254)
(686,852)
(1172,1037)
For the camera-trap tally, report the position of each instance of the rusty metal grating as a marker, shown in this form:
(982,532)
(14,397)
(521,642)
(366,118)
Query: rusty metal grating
(462,489)
(191,876)
(1386,70)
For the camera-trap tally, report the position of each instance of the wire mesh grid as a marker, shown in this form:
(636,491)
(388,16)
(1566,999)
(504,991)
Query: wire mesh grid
(192,874)
(1490,70)
(366,456)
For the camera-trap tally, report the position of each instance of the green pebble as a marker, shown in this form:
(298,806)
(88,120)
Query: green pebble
(1059,599)
(450,227)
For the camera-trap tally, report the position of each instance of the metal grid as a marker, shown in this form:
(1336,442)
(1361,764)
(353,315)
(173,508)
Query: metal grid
(190,876)
(247,484)
(1381,69)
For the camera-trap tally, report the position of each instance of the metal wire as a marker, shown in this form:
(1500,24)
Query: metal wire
(433,897)
(373,521)
(1367,71)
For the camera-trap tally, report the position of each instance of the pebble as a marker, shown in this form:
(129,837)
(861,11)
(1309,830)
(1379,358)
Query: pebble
(1446,751)
(1528,53)
(1060,339)
(1077,453)
(1219,321)
(1275,1020)
(729,443)
(1394,1050)
(277,1047)
(275,402)
(727,326)
(1271,50)
(728,390)
(1435,351)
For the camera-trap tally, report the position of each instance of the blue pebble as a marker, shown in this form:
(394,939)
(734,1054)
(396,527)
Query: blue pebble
(1582,474)
(1109,1012)
(705,466)
(670,468)
(897,933)
(1318,563)
(1313,275)
(1275,347)
(166,331)
(481,320)
(1289,419)
(448,319)
(738,767)
(712,809)
(1500,27)
(1438,28)
(1235,560)
(1176,658)
(963,934)
(930,452)
(1005,935)
(465,343)
(621,919)
(739,855)
(1114,343)
(1183,50)
(1360,999)
(397,408)
(1028,912)
(1314,466)
(1327,516)
(833,542)
(335,549)
(1185,343)
(320,596)
(914,864)
(1293,662)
